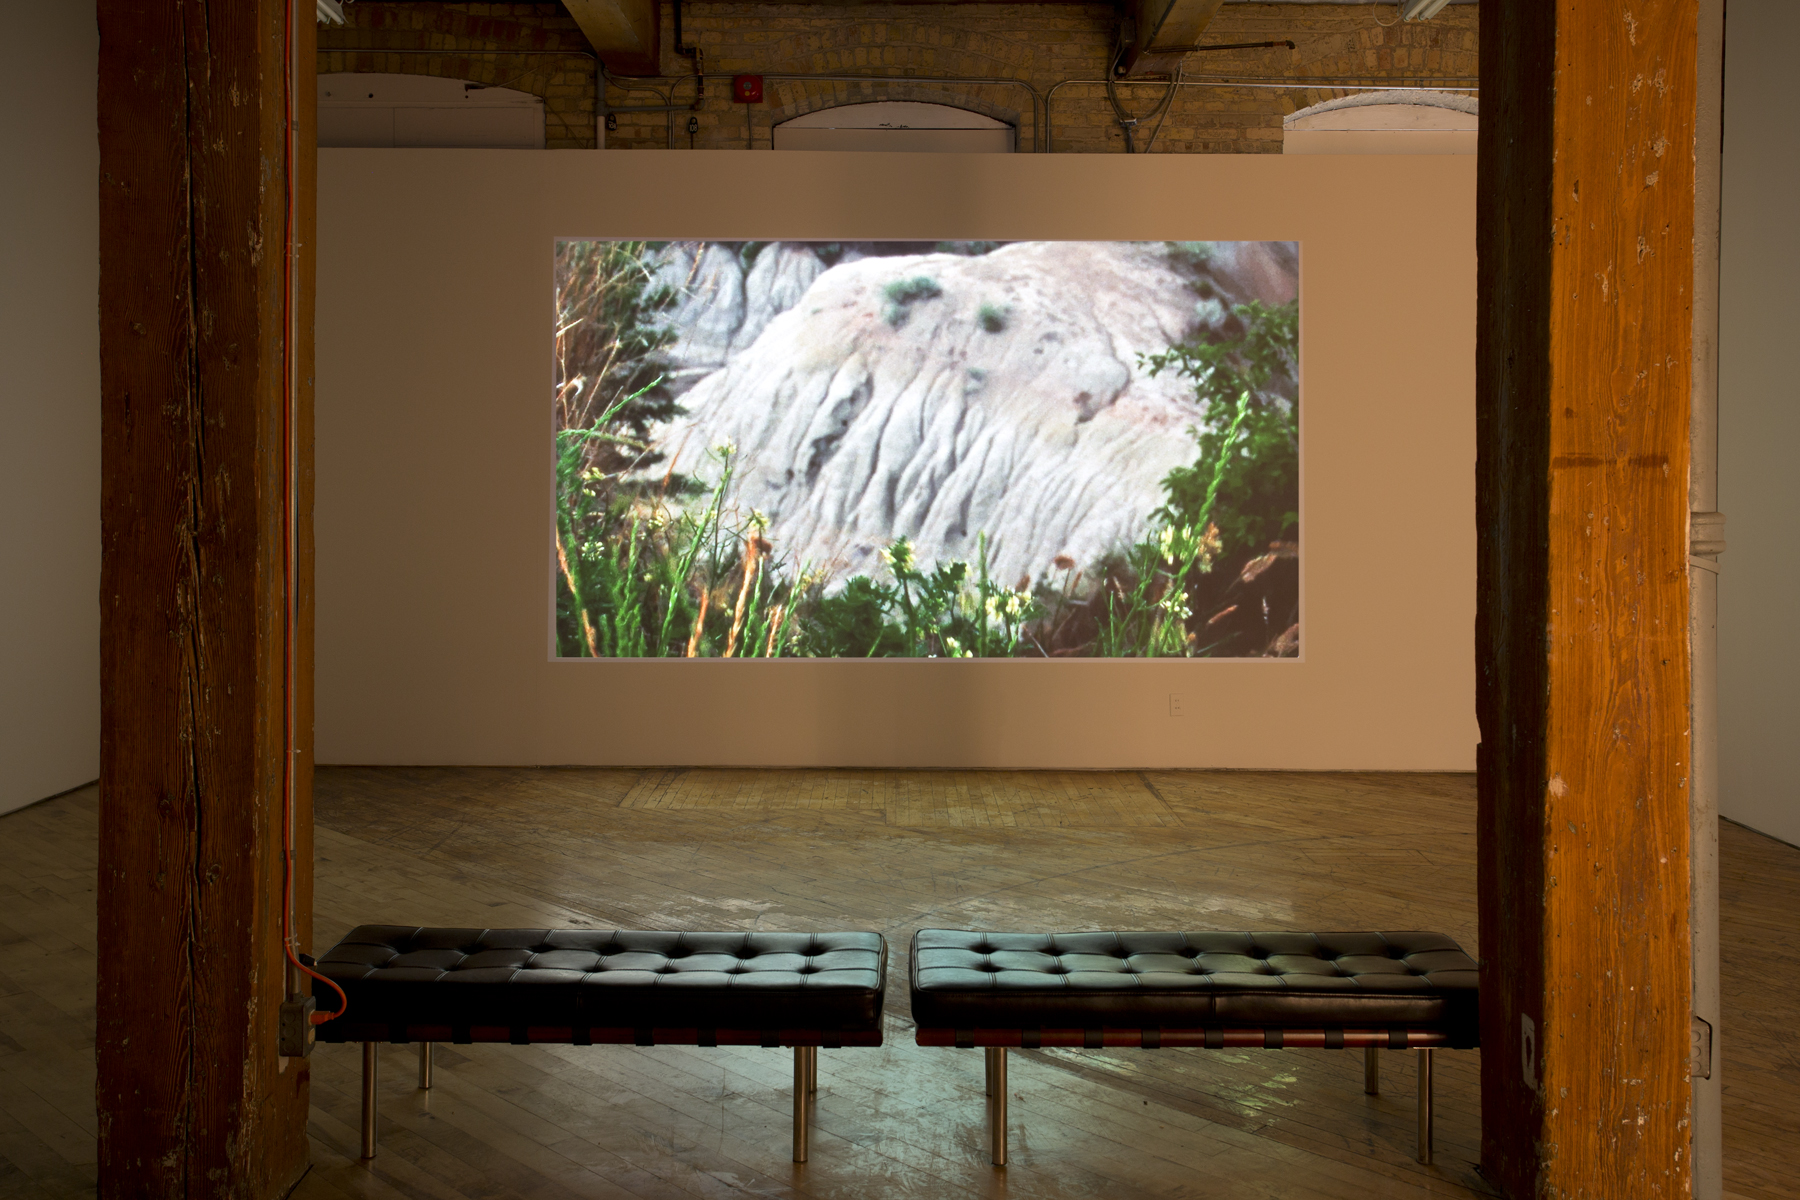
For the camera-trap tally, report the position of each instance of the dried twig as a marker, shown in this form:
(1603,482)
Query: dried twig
(693,646)
(754,547)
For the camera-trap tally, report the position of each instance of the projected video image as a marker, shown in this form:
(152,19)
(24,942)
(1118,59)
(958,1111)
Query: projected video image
(927,449)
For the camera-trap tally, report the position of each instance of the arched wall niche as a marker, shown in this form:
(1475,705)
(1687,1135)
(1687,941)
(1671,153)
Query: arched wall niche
(368,108)
(896,125)
(1385,122)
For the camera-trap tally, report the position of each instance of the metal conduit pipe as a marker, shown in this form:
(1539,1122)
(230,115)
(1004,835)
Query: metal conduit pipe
(1282,42)
(697,54)
(1037,98)
(599,71)
(667,97)
(1049,145)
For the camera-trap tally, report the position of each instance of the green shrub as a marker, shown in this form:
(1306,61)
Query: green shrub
(992,317)
(1189,257)
(853,623)
(1246,479)
(902,293)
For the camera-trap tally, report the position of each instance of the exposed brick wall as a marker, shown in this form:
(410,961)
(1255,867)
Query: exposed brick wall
(1040,44)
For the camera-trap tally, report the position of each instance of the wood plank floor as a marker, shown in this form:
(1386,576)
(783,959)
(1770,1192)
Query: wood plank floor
(892,851)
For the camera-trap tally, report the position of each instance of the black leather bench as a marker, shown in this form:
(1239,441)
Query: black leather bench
(1209,990)
(604,987)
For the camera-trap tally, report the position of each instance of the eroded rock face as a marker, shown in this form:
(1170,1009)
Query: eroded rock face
(722,307)
(938,397)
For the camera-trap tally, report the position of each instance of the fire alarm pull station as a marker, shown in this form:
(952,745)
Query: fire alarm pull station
(746,89)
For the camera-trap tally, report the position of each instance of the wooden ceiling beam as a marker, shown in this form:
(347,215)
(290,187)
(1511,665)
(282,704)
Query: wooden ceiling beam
(626,34)
(1159,33)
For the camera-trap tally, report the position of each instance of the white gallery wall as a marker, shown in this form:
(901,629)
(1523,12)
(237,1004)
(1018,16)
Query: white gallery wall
(1759,422)
(435,322)
(49,402)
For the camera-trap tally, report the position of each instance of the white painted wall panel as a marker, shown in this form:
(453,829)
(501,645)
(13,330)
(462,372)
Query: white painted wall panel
(1759,422)
(49,402)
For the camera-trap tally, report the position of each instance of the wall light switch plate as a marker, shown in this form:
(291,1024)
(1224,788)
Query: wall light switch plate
(1177,704)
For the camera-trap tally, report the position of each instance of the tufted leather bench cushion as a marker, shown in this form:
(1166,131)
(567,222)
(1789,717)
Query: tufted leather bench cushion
(963,979)
(404,981)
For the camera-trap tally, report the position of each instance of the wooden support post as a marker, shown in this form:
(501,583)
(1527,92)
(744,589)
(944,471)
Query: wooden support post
(1585,242)
(193,1097)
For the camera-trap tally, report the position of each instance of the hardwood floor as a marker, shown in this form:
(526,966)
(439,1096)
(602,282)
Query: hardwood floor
(1759,968)
(892,851)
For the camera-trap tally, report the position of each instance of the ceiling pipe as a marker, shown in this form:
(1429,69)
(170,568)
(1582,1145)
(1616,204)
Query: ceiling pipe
(1283,42)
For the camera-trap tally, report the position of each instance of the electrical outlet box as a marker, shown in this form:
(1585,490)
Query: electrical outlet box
(296,1026)
(1700,1048)
(1178,704)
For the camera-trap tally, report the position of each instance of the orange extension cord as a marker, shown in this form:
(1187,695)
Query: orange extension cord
(290,563)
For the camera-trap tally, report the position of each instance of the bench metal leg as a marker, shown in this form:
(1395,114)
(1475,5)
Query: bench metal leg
(1425,1104)
(812,1070)
(996,1073)
(370,1063)
(1372,1070)
(806,1065)
(425,1066)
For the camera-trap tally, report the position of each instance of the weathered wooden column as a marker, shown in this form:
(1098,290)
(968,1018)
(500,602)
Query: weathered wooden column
(1585,235)
(193,1098)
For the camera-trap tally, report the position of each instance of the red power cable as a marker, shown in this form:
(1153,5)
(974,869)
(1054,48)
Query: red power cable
(290,564)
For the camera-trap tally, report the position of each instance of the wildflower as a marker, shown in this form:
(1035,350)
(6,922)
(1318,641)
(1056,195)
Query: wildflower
(1063,562)
(1211,545)
(899,556)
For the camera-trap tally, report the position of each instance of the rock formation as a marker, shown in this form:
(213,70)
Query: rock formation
(942,396)
(722,307)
